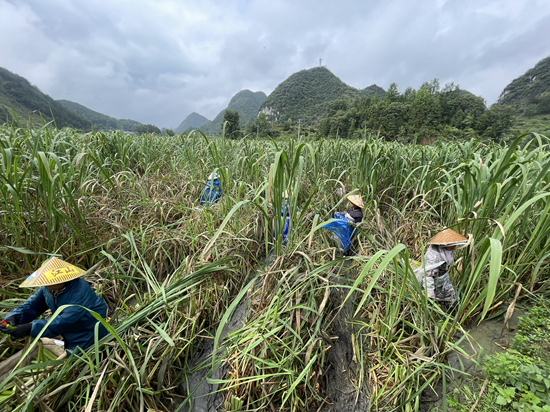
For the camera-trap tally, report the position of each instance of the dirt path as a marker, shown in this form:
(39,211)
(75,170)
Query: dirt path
(342,369)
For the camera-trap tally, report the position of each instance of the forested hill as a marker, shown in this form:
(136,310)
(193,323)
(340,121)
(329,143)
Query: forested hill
(245,102)
(19,95)
(306,94)
(422,115)
(529,94)
(99,120)
(193,121)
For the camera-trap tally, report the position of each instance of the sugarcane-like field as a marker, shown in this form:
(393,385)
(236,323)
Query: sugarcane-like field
(172,273)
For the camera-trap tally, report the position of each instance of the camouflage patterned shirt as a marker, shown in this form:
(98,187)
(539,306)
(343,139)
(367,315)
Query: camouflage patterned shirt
(433,277)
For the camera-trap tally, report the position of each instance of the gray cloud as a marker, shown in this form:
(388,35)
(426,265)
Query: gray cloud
(157,61)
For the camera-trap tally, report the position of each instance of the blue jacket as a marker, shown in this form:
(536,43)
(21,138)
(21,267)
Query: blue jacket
(75,324)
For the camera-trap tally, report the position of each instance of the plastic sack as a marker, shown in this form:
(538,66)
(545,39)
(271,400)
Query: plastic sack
(212,193)
(342,230)
(285,213)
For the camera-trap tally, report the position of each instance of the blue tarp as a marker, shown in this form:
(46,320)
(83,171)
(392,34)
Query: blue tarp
(343,230)
(211,193)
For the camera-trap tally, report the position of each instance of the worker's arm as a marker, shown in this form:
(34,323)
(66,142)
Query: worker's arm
(29,310)
(349,218)
(424,276)
(64,321)
(430,287)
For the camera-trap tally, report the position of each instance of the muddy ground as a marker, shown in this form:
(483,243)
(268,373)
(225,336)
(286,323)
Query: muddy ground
(482,340)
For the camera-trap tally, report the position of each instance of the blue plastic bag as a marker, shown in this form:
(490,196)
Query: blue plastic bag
(212,192)
(285,213)
(343,230)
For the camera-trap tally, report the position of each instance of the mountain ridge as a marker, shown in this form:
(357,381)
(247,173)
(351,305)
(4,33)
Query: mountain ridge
(30,105)
(98,119)
(529,94)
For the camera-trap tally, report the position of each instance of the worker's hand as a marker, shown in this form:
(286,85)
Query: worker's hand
(20,331)
(11,320)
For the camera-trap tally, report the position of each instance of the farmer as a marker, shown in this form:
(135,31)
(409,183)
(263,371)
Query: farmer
(212,192)
(60,284)
(433,277)
(355,213)
(343,224)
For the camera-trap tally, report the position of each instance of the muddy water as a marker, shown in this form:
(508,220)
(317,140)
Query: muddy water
(482,340)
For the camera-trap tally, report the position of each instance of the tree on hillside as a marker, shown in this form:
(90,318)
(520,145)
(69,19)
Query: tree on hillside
(146,128)
(232,129)
(431,111)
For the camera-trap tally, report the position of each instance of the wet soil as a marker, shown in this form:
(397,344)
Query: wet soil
(482,340)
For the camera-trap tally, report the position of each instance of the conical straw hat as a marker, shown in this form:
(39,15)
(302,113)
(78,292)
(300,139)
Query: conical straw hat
(52,272)
(356,200)
(448,237)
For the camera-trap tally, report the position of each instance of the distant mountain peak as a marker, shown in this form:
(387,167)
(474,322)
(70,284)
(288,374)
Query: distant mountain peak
(306,94)
(192,121)
(245,102)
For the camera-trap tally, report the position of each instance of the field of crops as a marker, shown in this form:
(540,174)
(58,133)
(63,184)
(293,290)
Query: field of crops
(172,273)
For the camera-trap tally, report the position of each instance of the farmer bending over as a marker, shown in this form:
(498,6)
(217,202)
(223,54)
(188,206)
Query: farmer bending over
(433,277)
(60,284)
(355,213)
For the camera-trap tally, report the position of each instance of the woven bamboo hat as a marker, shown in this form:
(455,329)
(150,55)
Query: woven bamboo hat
(52,272)
(448,237)
(356,200)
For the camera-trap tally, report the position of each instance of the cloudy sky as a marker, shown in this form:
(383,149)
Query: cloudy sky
(156,61)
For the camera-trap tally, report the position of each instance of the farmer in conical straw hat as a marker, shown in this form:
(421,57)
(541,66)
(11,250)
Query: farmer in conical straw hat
(434,275)
(355,213)
(59,283)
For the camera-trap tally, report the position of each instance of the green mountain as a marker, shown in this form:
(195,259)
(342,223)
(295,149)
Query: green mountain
(529,97)
(529,94)
(245,102)
(306,94)
(17,94)
(99,120)
(193,121)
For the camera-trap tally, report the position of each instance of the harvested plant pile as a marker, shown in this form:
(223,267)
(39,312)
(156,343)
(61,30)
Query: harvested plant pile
(172,272)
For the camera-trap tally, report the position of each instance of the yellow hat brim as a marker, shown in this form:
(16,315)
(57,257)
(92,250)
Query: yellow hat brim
(52,272)
(356,200)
